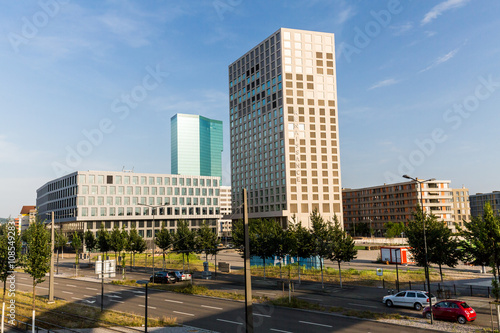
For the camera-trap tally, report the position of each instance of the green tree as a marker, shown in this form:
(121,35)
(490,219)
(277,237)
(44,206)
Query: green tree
(90,241)
(103,240)
(206,240)
(442,247)
(394,229)
(164,241)
(76,243)
(283,242)
(117,241)
(321,241)
(305,242)
(135,244)
(37,259)
(10,252)
(184,241)
(342,247)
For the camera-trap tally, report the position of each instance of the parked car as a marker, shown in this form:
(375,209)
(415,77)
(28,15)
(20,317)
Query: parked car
(163,277)
(182,276)
(416,299)
(451,309)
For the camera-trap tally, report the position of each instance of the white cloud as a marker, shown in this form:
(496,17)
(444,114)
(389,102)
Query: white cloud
(441,8)
(345,15)
(430,33)
(384,83)
(441,60)
(401,29)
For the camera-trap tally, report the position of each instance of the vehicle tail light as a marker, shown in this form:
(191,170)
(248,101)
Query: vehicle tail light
(427,300)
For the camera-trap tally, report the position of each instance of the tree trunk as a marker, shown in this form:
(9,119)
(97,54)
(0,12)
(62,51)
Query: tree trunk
(33,307)
(264,260)
(163,260)
(441,272)
(340,275)
(183,265)
(321,265)
(281,277)
(298,263)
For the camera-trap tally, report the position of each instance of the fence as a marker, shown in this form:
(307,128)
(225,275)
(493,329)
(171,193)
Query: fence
(441,290)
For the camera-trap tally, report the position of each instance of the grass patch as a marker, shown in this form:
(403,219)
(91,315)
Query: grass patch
(62,313)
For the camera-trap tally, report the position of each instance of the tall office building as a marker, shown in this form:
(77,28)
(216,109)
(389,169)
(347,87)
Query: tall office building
(478,200)
(196,145)
(284,128)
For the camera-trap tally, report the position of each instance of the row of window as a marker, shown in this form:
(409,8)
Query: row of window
(139,211)
(117,201)
(146,180)
(138,190)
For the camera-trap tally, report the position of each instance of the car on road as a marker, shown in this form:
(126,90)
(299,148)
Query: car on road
(451,309)
(416,299)
(182,276)
(163,277)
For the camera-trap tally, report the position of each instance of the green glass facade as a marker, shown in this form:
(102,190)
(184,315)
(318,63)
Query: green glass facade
(196,145)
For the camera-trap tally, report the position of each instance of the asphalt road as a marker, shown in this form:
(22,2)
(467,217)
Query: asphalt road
(204,312)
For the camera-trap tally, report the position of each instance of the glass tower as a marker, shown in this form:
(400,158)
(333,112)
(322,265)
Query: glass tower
(196,145)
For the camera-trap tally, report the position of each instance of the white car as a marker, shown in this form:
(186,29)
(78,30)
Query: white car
(416,299)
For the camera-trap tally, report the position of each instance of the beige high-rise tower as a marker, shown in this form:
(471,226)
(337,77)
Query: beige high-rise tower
(284,128)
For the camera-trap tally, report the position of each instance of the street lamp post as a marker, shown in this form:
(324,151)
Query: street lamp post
(51,278)
(153,212)
(420,182)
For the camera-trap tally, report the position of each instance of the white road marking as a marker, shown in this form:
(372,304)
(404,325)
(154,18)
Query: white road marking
(311,299)
(211,307)
(170,300)
(90,288)
(184,313)
(262,315)
(138,292)
(229,321)
(265,293)
(80,299)
(276,330)
(24,278)
(310,323)
(67,292)
(366,306)
(29,285)
(116,301)
(70,285)
(88,296)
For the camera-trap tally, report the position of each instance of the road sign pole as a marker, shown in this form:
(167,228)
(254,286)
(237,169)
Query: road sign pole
(248,273)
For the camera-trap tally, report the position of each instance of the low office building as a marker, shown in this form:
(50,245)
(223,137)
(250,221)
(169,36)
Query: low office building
(374,206)
(478,200)
(85,200)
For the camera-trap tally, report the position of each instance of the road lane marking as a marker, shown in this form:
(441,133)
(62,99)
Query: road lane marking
(138,292)
(149,307)
(70,285)
(311,299)
(88,296)
(310,323)
(211,307)
(29,285)
(262,315)
(229,321)
(24,278)
(116,301)
(276,330)
(184,313)
(265,293)
(79,299)
(366,306)
(90,288)
(170,300)
(67,292)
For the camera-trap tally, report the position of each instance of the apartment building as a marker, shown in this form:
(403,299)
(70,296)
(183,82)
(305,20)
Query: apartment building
(478,200)
(225,224)
(377,205)
(284,127)
(26,217)
(85,200)
(461,205)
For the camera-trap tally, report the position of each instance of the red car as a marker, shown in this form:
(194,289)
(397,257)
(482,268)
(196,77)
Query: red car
(451,309)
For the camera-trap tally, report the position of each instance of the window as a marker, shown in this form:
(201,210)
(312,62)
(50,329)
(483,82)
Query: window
(109,179)
(126,180)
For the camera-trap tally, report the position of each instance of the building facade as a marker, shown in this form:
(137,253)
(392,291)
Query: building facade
(377,205)
(27,216)
(461,205)
(478,200)
(225,223)
(85,200)
(196,145)
(284,128)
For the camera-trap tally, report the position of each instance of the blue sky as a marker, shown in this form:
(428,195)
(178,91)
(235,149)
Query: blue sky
(418,84)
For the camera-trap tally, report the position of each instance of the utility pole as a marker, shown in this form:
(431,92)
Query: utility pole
(248,273)
(51,277)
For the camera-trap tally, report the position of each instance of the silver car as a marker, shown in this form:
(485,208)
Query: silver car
(416,299)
